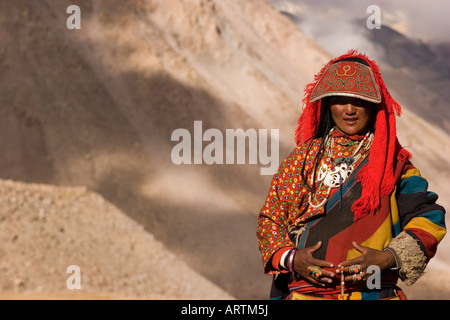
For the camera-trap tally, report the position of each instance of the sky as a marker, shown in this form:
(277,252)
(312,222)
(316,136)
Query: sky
(331,22)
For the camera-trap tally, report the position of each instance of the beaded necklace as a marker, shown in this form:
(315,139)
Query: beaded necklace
(343,168)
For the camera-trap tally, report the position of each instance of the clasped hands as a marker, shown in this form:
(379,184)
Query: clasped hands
(322,276)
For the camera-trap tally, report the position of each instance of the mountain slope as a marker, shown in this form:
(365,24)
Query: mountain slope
(97,107)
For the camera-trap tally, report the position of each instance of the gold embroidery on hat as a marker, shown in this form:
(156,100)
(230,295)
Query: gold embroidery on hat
(346,69)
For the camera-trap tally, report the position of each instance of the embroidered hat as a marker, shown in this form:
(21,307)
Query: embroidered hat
(377,176)
(347,78)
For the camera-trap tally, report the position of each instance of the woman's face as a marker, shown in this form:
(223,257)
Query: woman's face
(351,115)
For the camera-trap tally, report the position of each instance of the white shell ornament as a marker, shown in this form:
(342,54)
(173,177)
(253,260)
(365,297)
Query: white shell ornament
(334,178)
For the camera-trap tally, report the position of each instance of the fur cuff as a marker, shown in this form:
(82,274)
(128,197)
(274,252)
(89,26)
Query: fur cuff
(413,260)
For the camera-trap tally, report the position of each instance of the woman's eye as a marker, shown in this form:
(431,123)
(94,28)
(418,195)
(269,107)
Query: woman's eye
(338,101)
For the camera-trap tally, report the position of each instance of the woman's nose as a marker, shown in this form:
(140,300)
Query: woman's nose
(350,109)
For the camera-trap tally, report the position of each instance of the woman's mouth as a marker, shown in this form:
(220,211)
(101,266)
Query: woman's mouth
(351,120)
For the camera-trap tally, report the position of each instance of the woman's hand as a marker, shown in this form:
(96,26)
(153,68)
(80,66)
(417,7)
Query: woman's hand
(304,259)
(382,259)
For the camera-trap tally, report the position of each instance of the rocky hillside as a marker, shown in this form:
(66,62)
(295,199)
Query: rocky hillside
(96,107)
(46,229)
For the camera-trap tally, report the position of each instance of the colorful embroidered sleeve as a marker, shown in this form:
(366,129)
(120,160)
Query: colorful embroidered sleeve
(422,221)
(273,220)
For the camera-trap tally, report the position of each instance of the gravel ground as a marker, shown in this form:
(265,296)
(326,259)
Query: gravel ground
(45,229)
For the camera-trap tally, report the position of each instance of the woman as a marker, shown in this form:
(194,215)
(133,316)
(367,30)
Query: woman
(347,202)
